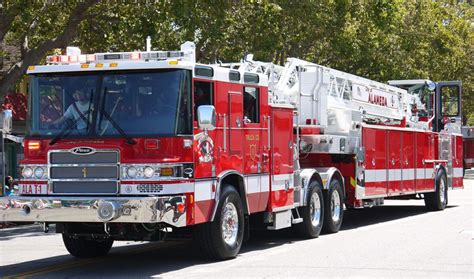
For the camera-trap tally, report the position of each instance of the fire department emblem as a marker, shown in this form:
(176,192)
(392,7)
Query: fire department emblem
(206,147)
(253,151)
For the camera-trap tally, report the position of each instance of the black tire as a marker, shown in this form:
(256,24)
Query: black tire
(81,247)
(312,225)
(209,236)
(333,222)
(435,201)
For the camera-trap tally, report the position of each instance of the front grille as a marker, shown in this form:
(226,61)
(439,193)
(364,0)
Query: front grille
(85,187)
(95,173)
(99,157)
(81,172)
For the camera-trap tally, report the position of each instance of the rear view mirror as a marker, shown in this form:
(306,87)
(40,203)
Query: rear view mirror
(430,85)
(206,117)
(6,121)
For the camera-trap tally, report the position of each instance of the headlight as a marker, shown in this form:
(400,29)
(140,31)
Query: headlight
(155,171)
(148,172)
(27,172)
(132,172)
(39,171)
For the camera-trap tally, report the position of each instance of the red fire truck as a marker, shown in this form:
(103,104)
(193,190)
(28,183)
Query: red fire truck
(468,146)
(143,145)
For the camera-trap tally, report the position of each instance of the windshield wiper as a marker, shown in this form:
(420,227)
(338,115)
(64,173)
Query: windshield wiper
(117,127)
(64,131)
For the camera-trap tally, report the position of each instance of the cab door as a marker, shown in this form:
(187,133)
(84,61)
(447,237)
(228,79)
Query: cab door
(449,121)
(448,106)
(203,94)
(252,128)
(235,112)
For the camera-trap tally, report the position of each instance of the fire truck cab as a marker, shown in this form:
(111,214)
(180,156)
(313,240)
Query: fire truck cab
(142,145)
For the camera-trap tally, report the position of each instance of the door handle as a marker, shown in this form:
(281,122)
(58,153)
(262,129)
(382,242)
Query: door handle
(247,120)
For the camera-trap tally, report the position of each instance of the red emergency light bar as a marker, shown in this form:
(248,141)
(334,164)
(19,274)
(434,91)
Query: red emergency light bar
(114,56)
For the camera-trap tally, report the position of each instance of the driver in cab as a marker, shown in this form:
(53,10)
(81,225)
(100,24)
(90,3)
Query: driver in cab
(78,112)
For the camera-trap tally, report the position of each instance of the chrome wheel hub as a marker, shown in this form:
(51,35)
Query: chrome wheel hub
(442,191)
(230,224)
(315,210)
(335,206)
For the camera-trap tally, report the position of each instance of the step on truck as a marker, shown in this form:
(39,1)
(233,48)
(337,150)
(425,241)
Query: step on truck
(148,145)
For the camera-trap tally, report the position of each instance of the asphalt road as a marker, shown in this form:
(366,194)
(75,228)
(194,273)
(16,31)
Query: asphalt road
(399,239)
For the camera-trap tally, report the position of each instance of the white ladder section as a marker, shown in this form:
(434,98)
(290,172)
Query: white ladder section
(319,91)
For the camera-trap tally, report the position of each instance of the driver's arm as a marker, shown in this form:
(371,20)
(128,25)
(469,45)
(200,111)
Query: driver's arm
(67,115)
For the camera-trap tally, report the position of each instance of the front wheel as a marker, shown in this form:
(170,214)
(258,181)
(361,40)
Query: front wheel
(439,199)
(222,238)
(333,207)
(81,247)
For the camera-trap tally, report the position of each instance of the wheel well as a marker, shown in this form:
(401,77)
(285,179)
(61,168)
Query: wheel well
(317,177)
(238,183)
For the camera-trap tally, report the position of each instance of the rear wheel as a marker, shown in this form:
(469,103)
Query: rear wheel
(312,213)
(333,208)
(81,247)
(222,238)
(439,199)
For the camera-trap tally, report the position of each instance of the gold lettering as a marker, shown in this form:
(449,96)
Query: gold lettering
(252,137)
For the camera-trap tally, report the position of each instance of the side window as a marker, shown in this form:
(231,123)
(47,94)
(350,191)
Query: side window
(202,95)
(251,104)
(450,100)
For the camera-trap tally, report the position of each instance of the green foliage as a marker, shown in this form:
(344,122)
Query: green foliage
(380,40)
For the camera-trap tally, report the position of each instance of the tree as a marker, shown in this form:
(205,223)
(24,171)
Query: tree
(381,40)
(34,28)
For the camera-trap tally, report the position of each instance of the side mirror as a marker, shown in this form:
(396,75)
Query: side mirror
(206,116)
(6,121)
(430,85)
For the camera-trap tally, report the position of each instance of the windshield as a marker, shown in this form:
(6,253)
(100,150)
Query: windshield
(109,104)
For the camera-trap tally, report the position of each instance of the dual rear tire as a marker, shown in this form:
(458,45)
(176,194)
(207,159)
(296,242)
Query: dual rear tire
(323,212)
(334,206)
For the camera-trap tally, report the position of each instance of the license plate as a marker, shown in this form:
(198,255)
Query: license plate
(33,189)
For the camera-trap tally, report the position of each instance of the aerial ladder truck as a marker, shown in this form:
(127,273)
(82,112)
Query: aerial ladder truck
(146,144)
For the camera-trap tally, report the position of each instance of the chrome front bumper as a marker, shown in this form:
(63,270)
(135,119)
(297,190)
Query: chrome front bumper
(170,210)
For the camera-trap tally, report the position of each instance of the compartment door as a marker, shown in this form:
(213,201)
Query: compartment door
(457,161)
(281,163)
(408,162)
(394,164)
(424,170)
(375,143)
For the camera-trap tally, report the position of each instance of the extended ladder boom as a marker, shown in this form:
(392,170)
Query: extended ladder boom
(320,92)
